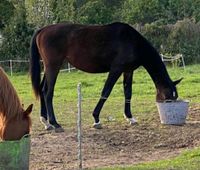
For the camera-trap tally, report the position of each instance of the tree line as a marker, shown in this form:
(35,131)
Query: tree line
(172,26)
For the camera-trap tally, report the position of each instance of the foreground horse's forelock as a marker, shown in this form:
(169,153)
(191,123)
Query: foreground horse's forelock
(115,48)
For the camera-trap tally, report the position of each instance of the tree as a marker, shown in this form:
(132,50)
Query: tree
(64,11)
(184,38)
(178,10)
(39,12)
(156,19)
(94,12)
(196,10)
(142,12)
(16,35)
(6,12)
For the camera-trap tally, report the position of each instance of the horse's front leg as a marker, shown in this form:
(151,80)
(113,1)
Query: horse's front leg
(110,82)
(127,83)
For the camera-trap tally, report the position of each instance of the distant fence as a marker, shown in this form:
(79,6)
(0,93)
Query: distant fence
(23,66)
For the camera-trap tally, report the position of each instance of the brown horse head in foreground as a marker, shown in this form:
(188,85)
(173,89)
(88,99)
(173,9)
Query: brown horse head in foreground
(15,122)
(115,48)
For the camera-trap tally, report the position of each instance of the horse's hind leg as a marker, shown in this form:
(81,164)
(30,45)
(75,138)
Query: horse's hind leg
(110,82)
(51,76)
(127,83)
(43,111)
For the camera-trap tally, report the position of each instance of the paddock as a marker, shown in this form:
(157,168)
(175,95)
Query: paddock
(117,143)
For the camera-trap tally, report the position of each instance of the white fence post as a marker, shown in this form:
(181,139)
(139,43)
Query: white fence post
(69,69)
(79,127)
(11,68)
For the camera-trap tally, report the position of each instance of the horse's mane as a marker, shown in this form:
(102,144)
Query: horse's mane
(10,105)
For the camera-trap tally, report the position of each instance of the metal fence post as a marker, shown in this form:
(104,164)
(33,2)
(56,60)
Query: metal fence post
(79,127)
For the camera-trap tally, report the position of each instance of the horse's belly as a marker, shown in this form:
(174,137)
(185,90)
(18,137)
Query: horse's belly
(87,66)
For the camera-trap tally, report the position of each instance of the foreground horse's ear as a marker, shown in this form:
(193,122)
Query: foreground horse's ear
(178,81)
(29,109)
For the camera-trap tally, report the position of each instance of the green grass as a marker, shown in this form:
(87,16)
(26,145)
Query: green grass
(143,87)
(65,96)
(189,160)
(143,102)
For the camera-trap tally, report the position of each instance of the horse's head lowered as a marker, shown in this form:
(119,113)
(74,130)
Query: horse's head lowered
(16,128)
(169,92)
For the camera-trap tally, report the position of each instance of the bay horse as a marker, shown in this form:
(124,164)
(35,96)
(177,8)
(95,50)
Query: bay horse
(116,48)
(15,122)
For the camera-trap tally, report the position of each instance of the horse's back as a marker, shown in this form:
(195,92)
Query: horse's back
(91,48)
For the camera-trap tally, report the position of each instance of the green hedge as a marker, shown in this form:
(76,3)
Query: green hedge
(182,37)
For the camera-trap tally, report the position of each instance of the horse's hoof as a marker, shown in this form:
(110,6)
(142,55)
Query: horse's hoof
(97,125)
(59,130)
(43,121)
(49,127)
(132,120)
(46,124)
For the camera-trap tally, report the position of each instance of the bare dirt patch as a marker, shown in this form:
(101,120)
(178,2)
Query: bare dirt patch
(114,144)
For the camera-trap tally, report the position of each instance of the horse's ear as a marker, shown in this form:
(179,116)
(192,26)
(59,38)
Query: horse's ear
(28,110)
(178,81)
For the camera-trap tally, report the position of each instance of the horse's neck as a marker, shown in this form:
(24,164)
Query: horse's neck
(158,72)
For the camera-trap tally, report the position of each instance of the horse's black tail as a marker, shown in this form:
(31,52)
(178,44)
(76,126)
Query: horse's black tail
(35,68)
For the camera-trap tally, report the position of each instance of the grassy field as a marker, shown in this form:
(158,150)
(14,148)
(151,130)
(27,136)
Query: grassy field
(143,102)
(65,96)
(189,160)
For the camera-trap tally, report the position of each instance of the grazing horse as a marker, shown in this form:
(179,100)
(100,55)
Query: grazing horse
(15,122)
(116,48)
